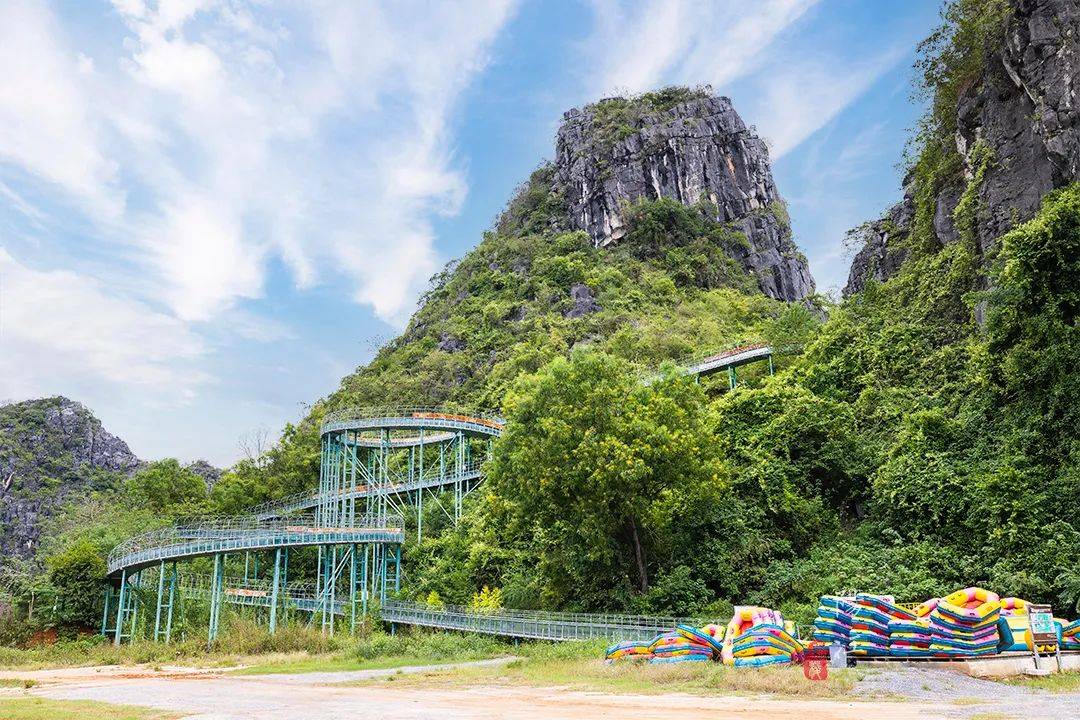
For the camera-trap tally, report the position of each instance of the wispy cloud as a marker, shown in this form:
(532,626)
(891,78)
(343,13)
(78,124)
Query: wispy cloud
(791,94)
(800,95)
(221,135)
(696,41)
(199,143)
(47,126)
(59,324)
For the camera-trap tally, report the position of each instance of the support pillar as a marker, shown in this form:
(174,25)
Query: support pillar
(420,492)
(172,601)
(364,583)
(105,612)
(160,595)
(352,589)
(285,584)
(274,591)
(732,379)
(135,606)
(216,589)
(120,607)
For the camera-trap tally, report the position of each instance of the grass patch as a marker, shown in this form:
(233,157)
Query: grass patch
(43,709)
(240,641)
(386,651)
(577,666)
(24,683)
(1058,682)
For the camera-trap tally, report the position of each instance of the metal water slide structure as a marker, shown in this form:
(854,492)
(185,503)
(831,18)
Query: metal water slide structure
(378,466)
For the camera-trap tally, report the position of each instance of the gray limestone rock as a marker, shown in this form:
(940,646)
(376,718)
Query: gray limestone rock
(584,302)
(618,151)
(52,451)
(1026,110)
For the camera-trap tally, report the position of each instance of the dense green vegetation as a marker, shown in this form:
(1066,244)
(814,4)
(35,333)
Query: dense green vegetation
(922,438)
(911,448)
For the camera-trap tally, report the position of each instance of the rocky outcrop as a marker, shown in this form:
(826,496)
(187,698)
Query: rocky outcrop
(1025,109)
(584,301)
(51,451)
(206,471)
(689,146)
(881,247)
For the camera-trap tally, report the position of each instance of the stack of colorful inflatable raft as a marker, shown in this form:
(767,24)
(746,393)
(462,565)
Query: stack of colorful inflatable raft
(683,644)
(871,626)
(833,622)
(759,636)
(972,622)
(755,637)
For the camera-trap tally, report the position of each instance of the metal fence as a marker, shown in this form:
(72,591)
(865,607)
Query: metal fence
(533,624)
(404,417)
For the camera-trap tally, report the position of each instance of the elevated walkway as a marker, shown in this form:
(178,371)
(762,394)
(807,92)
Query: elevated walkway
(535,625)
(244,534)
(366,419)
(469,475)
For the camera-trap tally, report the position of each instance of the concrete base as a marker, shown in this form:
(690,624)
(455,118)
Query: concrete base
(1003,665)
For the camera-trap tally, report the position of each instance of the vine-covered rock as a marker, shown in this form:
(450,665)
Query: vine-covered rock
(51,451)
(1023,107)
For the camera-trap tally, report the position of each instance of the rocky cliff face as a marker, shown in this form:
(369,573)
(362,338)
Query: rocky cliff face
(51,451)
(1025,108)
(685,145)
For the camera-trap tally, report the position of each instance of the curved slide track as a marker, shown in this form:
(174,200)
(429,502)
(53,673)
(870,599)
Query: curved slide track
(377,467)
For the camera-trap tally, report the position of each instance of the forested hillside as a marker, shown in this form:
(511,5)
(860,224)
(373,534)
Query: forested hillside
(918,436)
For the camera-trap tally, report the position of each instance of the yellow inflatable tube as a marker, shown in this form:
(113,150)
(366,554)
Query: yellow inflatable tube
(970,604)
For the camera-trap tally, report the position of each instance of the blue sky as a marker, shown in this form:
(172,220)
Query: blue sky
(212,210)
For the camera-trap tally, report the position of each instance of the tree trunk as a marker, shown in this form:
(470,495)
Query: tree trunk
(639,557)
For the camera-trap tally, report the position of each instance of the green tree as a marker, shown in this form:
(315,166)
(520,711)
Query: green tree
(591,466)
(77,574)
(166,486)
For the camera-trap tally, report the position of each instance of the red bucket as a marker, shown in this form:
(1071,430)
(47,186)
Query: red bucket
(815,668)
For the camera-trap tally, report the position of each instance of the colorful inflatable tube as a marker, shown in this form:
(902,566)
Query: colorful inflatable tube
(970,605)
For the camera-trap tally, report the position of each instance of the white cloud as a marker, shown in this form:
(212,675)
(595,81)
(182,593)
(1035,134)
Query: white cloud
(46,125)
(799,96)
(240,132)
(690,41)
(790,94)
(61,332)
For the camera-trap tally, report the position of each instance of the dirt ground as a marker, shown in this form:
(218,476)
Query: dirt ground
(210,695)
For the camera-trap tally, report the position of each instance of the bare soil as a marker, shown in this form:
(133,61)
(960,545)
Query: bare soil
(210,695)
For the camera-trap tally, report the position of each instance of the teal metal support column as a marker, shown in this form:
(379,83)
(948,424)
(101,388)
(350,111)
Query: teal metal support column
(160,595)
(120,607)
(329,616)
(352,590)
(216,589)
(364,583)
(770,365)
(274,591)
(732,379)
(420,492)
(135,606)
(397,569)
(172,601)
(105,612)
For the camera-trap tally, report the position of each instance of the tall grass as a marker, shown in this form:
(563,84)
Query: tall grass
(242,641)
